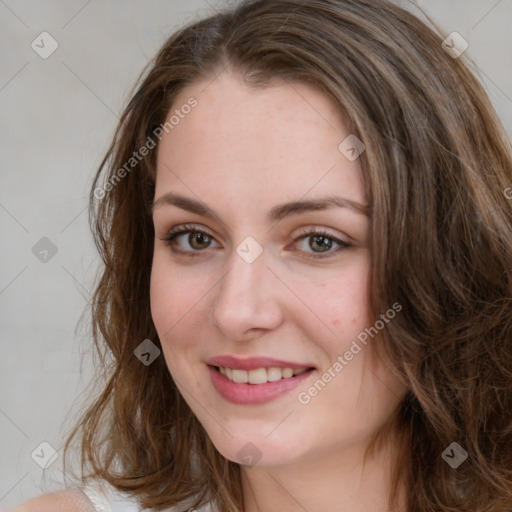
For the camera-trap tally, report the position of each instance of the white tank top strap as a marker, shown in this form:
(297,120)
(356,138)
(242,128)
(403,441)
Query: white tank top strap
(97,498)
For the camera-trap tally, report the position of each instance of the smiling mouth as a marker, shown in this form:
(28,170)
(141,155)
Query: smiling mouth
(259,375)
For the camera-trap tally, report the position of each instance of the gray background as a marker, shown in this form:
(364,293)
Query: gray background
(57,117)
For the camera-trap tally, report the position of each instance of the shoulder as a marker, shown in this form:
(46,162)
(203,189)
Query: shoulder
(72,500)
(96,497)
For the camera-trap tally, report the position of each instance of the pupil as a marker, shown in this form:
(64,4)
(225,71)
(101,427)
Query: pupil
(322,240)
(198,239)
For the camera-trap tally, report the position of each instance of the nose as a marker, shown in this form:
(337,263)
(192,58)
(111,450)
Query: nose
(247,299)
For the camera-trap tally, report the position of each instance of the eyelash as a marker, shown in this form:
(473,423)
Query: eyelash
(191,228)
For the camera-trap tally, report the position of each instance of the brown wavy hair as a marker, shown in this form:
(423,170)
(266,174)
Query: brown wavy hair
(436,168)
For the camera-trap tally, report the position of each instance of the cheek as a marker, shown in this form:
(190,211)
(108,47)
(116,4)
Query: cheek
(170,297)
(343,303)
(346,320)
(169,305)
(178,306)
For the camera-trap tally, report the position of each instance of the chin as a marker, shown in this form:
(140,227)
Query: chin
(253,450)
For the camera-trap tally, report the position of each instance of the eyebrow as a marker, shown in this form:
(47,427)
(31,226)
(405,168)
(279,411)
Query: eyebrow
(276,214)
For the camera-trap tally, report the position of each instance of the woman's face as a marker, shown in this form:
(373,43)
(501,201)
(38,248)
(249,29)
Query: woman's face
(268,279)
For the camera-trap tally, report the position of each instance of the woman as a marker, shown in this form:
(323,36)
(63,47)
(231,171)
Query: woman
(250,371)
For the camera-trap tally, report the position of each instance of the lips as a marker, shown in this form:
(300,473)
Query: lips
(255,380)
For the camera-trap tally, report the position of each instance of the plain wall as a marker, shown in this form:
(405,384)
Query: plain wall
(57,117)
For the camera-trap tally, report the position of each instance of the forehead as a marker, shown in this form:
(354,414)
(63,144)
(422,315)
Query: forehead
(282,140)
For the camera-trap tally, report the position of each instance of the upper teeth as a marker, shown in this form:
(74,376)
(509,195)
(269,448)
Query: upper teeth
(261,375)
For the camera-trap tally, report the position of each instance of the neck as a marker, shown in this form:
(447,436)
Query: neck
(331,482)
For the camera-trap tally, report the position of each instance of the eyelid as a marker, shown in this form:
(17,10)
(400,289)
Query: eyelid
(319,230)
(189,227)
(307,230)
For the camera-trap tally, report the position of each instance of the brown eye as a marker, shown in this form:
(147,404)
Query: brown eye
(200,238)
(196,241)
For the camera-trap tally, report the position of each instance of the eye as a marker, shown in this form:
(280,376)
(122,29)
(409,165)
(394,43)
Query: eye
(197,239)
(320,242)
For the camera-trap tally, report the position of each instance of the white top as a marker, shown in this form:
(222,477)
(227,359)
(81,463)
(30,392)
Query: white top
(106,498)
